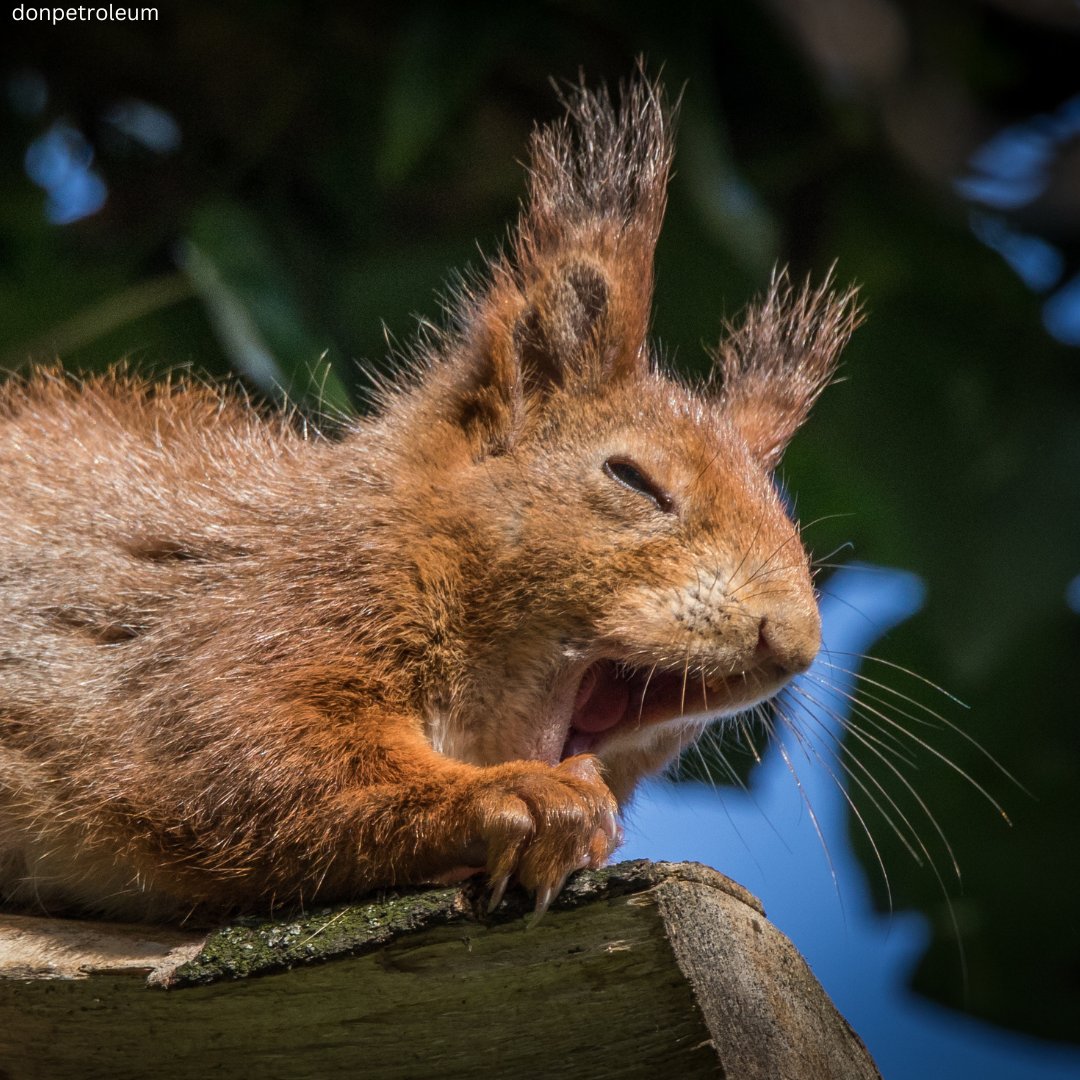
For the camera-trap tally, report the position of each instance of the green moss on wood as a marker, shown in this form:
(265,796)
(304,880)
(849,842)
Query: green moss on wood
(260,946)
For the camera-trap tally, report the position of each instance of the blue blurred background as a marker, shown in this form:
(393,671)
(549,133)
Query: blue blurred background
(278,190)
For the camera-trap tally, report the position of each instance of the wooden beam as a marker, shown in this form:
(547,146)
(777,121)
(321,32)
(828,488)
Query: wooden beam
(639,970)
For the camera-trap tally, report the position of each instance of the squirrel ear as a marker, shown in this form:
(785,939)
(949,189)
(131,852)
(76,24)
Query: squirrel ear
(583,247)
(522,346)
(776,363)
(563,325)
(569,302)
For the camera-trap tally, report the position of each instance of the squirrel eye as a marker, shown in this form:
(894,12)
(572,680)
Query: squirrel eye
(629,475)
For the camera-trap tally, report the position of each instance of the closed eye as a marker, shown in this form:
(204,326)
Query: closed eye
(630,476)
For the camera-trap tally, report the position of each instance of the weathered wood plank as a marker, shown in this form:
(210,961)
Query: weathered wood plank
(639,970)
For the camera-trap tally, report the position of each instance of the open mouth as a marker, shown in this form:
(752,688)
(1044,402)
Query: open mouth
(613,698)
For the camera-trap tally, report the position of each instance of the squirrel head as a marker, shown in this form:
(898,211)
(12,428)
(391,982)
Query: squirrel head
(613,553)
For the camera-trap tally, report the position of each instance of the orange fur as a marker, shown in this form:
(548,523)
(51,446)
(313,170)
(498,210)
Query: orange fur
(242,665)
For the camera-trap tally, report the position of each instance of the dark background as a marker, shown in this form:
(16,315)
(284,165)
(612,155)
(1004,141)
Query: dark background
(279,189)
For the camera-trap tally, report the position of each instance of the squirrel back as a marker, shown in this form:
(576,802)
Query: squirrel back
(243,664)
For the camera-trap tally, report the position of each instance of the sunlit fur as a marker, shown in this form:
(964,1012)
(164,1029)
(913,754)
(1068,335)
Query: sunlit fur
(241,664)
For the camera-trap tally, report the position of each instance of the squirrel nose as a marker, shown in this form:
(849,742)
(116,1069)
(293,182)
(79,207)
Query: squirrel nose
(791,644)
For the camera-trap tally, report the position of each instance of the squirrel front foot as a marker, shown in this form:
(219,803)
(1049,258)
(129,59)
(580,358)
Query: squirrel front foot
(540,823)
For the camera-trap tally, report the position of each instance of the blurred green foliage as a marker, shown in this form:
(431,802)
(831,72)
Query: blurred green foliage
(335,163)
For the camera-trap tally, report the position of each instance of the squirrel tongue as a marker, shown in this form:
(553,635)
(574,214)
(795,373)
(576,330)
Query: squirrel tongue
(602,700)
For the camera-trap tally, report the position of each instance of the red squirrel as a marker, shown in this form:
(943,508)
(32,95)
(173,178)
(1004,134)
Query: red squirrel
(244,665)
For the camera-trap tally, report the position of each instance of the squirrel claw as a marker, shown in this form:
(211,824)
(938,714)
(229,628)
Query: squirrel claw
(544,897)
(498,891)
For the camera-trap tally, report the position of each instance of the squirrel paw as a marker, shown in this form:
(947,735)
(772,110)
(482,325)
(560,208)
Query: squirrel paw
(541,823)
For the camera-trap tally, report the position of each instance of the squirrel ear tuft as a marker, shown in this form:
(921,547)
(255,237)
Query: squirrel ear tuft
(776,363)
(569,303)
(584,244)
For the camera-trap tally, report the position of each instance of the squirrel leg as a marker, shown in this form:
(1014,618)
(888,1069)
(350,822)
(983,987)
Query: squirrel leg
(330,805)
(520,820)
